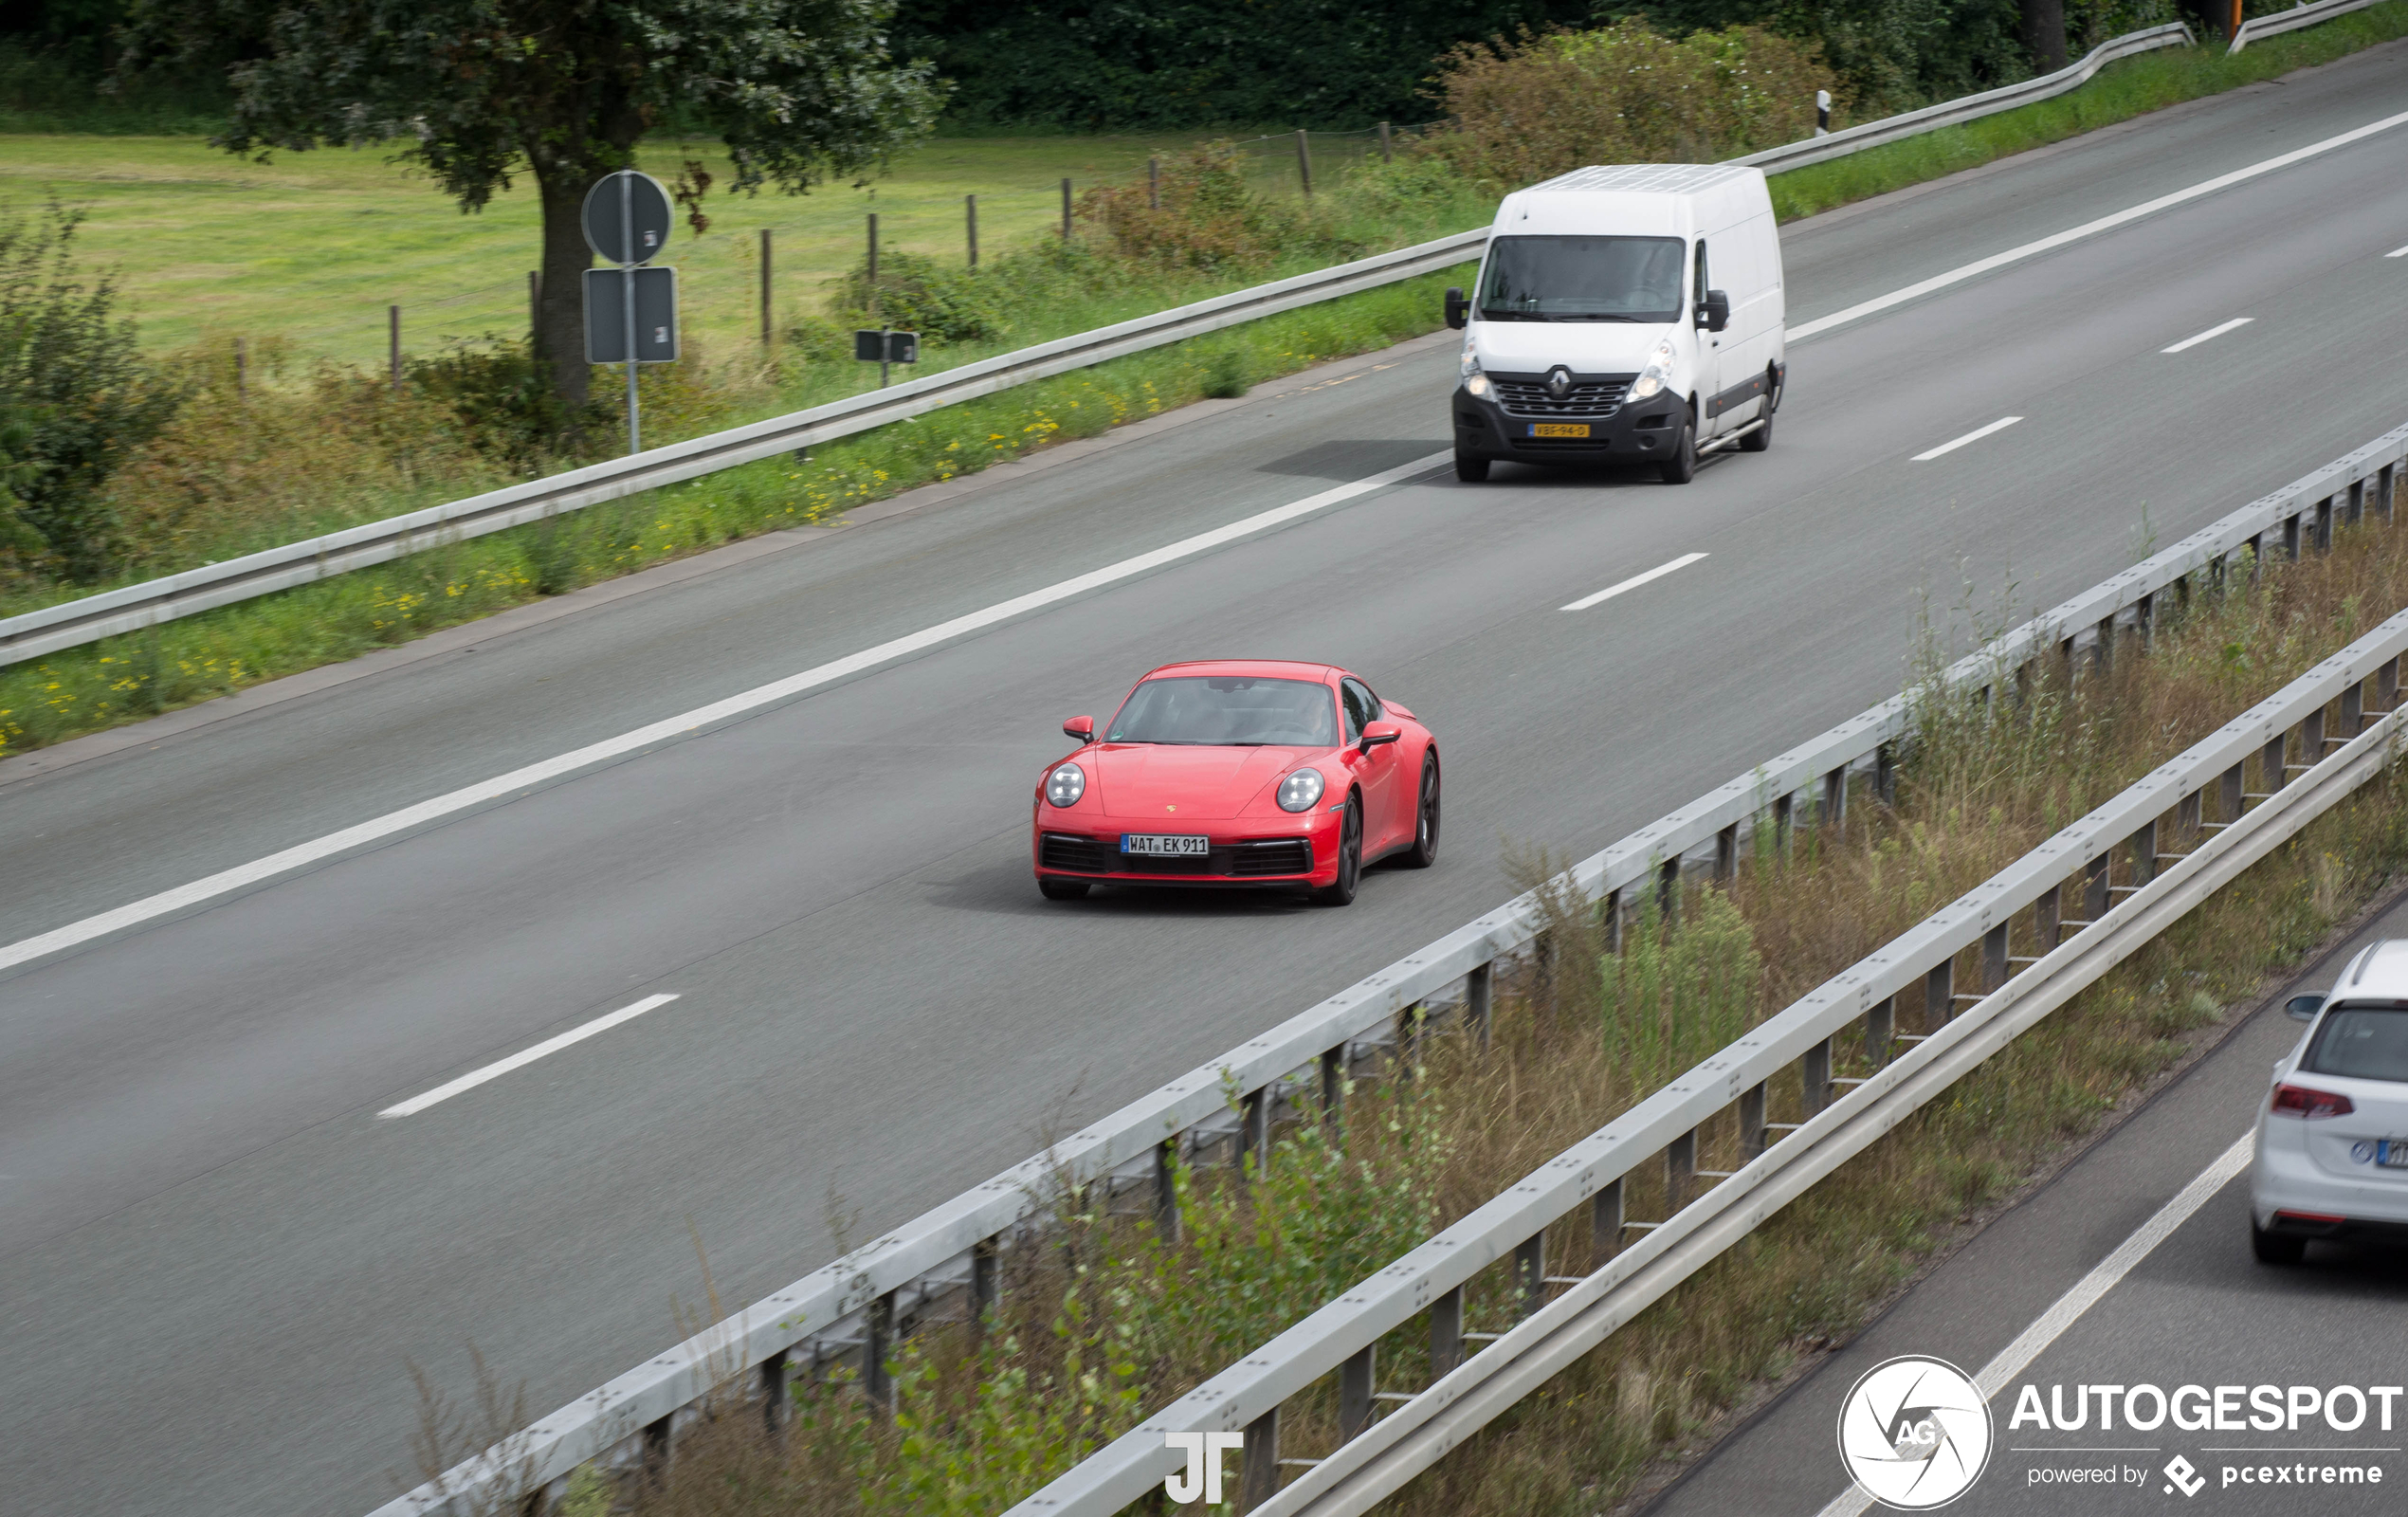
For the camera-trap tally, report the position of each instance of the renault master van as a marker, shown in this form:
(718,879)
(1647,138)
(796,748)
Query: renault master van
(1623,315)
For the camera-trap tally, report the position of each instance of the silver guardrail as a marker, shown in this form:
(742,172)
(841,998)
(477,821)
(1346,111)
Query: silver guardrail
(1972,107)
(131,608)
(2291,20)
(852,1307)
(2135,829)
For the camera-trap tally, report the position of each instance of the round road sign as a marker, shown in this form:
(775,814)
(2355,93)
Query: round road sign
(621,200)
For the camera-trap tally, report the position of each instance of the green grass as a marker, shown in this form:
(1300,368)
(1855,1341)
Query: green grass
(314,247)
(2133,88)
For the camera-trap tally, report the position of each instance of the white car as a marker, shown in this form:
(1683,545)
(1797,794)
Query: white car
(2332,1144)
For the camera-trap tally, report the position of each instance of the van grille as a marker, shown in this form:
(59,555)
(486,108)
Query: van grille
(1587,400)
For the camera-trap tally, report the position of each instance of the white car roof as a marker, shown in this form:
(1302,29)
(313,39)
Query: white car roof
(2380,973)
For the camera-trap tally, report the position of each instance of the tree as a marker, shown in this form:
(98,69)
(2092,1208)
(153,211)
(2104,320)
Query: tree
(479,91)
(2044,35)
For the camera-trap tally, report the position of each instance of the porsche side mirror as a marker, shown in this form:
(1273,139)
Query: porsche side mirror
(2303,1008)
(1458,309)
(1379,734)
(1714,312)
(1082,728)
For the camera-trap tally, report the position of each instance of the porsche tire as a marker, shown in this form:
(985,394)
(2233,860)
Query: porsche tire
(1063,889)
(1350,858)
(1424,851)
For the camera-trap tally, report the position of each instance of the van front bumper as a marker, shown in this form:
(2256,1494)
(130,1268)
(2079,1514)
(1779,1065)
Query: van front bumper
(1635,431)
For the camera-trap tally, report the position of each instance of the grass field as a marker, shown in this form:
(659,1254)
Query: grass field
(314,245)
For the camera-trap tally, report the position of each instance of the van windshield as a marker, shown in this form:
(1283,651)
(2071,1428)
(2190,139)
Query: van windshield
(1582,279)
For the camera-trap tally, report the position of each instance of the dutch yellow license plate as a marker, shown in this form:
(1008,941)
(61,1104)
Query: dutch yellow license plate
(1559,429)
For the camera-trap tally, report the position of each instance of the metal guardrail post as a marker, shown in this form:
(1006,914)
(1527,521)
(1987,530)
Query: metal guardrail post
(1726,854)
(2291,536)
(2103,656)
(1166,1191)
(2325,524)
(2353,711)
(1886,772)
(652,1468)
(1333,1094)
(1751,1123)
(2144,620)
(2270,766)
(1668,893)
(2311,743)
(1480,985)
(1258,1480)
(2143,845)
(1605,1220)
(1530,1271)
(1616,916)
(2388,685)
(1785,810)
(1939,990)
(2047,913)
(1355,1383)
(2355,511)
(1254,1131)
(1446,1332)
(777,1400)
(1835,800)
(2097,881)
(877,1379)
(1813,1079)
(1880,1030)
(984,1282)
(2383,485)
(2231,795)
(1680,1171)
(1994,958)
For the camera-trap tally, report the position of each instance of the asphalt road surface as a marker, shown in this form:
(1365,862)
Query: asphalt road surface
(2196,1309)
(216,1262)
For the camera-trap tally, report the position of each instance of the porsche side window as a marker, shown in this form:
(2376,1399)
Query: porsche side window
(1360,708)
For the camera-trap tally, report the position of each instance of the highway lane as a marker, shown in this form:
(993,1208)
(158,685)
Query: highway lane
(2197,1309)
(837,890)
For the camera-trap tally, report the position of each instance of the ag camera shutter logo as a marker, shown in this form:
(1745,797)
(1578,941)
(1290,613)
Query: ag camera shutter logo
(1914,1433)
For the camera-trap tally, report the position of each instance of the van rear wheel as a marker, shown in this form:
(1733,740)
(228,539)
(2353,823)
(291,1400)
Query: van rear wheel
(1759,440)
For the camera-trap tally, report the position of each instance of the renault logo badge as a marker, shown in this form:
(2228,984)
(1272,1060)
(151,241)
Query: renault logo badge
(1558,381)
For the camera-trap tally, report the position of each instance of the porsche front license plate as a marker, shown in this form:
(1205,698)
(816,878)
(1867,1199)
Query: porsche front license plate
(1559,429)
(1165,846)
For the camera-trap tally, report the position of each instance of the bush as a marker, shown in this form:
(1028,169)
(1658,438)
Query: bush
(1207,218)
(1549,103)
(76,390)
(918,294)
(504,403)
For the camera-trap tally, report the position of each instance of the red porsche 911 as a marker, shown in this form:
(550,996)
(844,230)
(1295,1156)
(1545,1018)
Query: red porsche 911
(1239,772)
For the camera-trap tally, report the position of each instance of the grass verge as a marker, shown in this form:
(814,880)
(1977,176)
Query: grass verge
(1103,1315)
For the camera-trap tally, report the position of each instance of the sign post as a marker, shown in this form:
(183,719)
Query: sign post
(627,222)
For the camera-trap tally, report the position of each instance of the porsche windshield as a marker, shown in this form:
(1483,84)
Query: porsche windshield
(1582,279)
(2360,1043)
(1228,711)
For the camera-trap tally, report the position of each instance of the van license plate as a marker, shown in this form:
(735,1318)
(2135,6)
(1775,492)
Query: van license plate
(1559,429)
(1165,846)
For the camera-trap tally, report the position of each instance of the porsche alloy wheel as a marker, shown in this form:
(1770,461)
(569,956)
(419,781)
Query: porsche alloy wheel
(1350,857)
(1424,851)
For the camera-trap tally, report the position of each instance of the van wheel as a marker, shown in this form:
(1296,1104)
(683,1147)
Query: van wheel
(1470,467)
(1759,440)
(1681,466)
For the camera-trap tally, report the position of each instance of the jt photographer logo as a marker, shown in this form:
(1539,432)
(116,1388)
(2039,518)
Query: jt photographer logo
(1915,1433)
(1201,1479)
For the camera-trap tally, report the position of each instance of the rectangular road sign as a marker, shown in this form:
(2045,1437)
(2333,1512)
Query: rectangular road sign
(655,315)
(871,345)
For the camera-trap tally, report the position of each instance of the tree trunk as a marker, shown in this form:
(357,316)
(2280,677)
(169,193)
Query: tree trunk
(560,332)
(2044,35)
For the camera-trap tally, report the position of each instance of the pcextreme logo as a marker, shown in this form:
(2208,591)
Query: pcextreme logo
(1914,1433)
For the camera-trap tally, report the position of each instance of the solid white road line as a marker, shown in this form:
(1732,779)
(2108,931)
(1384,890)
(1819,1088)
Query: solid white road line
(2210,334)
(2013,1360)
(392,824)
(526,1056)
(1974,436)
(2089,228)
(1634,581)
(2397,252)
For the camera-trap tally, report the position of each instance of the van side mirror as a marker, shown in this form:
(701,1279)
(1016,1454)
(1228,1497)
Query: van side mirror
(1714,312)
(1458,309)
(1082,728)
(2303,1008)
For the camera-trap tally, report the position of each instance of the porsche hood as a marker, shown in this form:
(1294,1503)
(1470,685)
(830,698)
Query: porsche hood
(1174,783)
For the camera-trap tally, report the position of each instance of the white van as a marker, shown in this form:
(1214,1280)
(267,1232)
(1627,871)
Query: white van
(1627,314)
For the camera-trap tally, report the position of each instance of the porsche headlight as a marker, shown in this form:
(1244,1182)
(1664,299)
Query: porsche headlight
(1300,791)
(1066,785)
(1657,374)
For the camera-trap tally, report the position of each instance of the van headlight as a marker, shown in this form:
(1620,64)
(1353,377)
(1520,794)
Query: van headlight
(1063,787)
(1300,791)
(1657,374)
(1476,384)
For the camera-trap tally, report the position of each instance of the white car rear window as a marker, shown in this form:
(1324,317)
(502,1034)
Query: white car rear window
(2360,1043)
